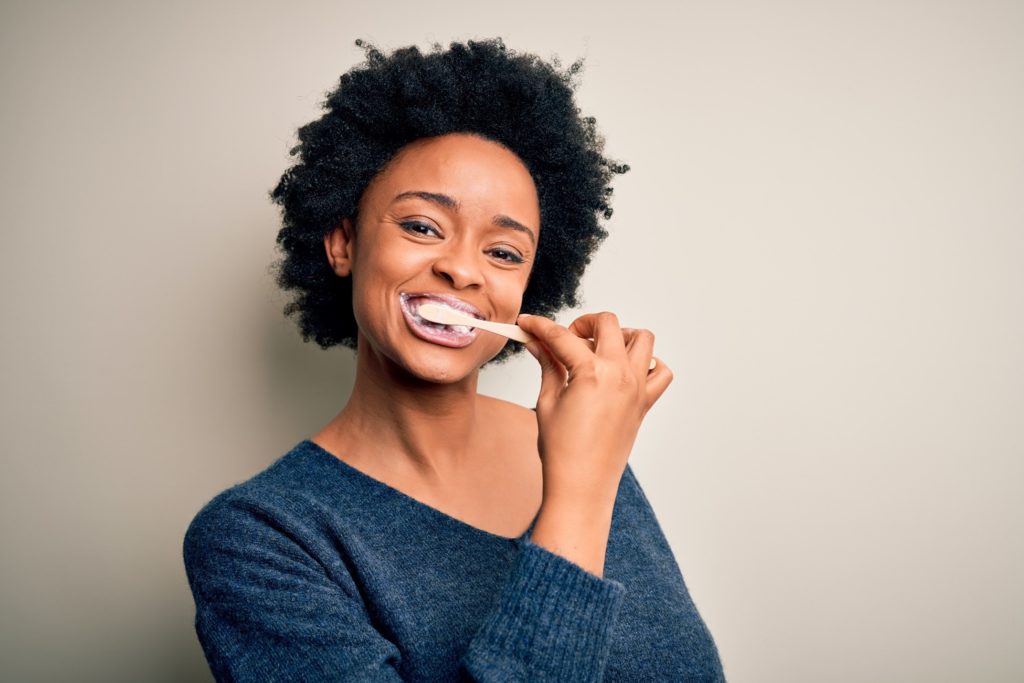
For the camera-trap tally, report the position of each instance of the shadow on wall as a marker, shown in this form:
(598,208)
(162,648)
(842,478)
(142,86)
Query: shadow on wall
(183,661)
(304,387)
(307,385)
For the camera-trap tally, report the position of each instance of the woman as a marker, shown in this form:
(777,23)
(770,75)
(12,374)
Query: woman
(428,532)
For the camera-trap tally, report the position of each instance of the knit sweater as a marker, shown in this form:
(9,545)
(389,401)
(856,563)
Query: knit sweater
(314,571)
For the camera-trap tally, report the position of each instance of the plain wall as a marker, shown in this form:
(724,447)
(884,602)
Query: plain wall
(823,225)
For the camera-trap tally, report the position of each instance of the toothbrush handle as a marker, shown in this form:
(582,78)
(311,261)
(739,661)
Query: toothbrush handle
(513,331)
(510,330)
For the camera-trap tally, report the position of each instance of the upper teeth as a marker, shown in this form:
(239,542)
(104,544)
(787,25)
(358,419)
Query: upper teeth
(462,329)
(416,307)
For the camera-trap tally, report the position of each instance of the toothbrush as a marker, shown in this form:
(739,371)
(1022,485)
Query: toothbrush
(443,315)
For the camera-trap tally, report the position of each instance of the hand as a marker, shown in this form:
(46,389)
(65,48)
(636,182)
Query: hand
(591,402)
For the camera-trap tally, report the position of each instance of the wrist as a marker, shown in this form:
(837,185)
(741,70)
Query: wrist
(576,491)
(577,532)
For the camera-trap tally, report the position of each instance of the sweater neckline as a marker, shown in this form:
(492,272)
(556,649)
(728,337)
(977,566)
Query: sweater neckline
(414,502)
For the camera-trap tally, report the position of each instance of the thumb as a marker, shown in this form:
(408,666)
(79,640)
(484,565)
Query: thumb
(553,373)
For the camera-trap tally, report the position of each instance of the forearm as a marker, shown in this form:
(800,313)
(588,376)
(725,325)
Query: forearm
(575,529)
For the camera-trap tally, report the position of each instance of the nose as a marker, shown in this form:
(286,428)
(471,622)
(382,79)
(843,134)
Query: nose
(459,263)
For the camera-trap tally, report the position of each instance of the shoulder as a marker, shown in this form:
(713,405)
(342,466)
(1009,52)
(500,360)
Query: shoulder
(506,412)
(515,428)
(271,506)
(232,521)
(246,536)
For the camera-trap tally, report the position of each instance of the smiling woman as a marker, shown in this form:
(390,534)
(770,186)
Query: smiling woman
(428,532)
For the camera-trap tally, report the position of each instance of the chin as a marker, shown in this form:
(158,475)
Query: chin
(448,368)
(439,371)
(439,364)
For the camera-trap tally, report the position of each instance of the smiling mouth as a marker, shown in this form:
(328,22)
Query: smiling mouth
(455,336)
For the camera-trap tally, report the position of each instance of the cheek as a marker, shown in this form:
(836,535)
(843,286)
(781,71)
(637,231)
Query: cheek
(383,266)
(369,278)
(507,297)
(379,272)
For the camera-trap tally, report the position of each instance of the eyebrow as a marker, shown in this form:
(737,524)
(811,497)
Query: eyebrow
(501,220)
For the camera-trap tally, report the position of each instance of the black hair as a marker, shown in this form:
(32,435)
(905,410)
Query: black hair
(386,102)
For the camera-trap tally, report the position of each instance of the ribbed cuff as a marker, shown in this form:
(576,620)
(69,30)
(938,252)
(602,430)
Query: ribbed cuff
(553,622)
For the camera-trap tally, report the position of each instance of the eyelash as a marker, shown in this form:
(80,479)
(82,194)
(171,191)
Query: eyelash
(408,225)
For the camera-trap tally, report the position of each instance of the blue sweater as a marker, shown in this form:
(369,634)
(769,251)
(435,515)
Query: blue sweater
(314,571)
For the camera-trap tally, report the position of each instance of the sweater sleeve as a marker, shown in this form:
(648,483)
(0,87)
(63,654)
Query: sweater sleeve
(267,610)
(553,621)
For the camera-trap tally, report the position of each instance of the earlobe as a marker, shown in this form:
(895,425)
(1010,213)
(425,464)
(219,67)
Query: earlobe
(338,244)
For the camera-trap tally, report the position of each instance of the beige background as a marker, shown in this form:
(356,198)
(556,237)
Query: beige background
(823,226)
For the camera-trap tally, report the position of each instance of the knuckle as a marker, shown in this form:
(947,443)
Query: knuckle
(587,372)
(557,332)
(608,316)
(623,379)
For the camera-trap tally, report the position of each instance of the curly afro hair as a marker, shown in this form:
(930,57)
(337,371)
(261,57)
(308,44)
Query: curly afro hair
(388,101)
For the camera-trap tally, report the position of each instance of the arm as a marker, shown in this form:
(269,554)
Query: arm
(590,407)
(267,610)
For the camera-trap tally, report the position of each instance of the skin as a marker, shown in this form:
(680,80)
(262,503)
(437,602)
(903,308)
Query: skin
(415,420)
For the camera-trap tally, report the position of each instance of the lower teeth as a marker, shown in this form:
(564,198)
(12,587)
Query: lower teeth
(459,329)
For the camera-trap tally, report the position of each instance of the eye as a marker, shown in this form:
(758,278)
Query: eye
(506,255)
(417,228)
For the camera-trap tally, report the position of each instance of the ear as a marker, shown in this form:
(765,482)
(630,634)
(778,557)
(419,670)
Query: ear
(339,243)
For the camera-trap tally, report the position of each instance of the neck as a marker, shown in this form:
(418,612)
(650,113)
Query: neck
(407,424)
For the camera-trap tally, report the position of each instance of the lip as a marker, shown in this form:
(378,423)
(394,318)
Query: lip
(440,335)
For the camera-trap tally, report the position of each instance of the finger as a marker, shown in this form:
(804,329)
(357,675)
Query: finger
(628,333)
(604,329)
(567,348)
(658,380)
(553,373)
(640,349)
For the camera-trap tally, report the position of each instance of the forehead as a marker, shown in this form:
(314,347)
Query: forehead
(476,172)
